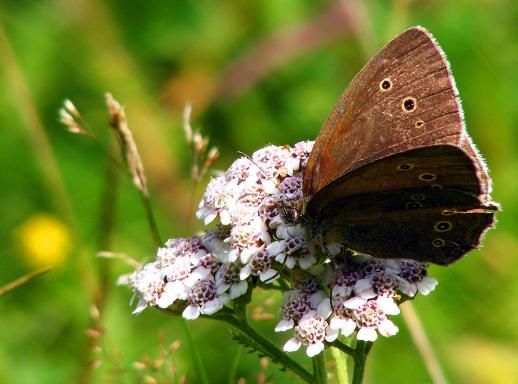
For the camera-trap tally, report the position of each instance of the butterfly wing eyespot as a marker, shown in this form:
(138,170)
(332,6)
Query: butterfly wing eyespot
(419,123)
(427,176)
(409,104)
(385,85)
(443,226)
(438,242)
(414,205)
(418,197)
(436,186)
(405,166)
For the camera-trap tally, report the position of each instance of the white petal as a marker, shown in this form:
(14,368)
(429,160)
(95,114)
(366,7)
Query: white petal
(324,309)
(354,302)
(165,300)
(337,322)
(245,272)
(362,285)
(387,328)
(407,288)
(222,287)
(331,334)
(290,262)
(211,307)
(392,266)
(314,349)
(269,186)
(367,334)
(269,276)
(224,217)
(427,285)
(348,327)
(191,312)
(316,298)
(281,258)
(284,325)
(292,345)
(282,231)
(233,255)
(238,289)
(276,247)
(388,305)
(247,253)
(140,307)
(210,217)
(307,261)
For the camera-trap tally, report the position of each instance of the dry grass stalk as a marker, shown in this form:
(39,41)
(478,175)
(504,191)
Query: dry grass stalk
(121,256)
(70,117)
(119,123)
(199,144)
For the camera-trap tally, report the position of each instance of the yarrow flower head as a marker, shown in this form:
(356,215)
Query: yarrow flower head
(261,236)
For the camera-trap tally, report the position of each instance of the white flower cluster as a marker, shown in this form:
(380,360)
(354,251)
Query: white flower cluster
(259,237)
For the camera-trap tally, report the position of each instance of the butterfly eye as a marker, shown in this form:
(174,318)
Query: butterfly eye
(443,226)
(427,177)
(385,85)
(437,243)
(405,167)
(409,104)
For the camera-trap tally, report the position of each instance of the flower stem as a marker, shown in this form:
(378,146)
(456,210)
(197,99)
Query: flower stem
(341,365)
(267,348)
(360,356)
(319,368)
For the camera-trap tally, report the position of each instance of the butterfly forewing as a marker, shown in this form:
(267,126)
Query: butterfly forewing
(403,98)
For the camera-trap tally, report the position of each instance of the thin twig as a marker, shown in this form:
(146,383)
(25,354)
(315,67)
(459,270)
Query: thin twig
(22,280)
(422,343)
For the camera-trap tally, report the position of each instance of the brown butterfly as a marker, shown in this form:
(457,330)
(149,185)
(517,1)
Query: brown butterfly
(393,171)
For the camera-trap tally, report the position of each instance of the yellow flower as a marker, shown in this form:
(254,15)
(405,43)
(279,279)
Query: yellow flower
(44,241)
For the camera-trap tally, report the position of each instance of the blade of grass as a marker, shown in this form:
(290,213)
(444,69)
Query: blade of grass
(195,353)
(422,343)
(23,280)
(235,364)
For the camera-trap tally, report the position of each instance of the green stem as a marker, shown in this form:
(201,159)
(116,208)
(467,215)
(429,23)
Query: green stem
(196,356)
(341,365)
(360,356)
(342,347)
(267,348)
(319,368)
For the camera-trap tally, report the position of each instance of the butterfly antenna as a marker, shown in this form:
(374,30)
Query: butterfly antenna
(253,162)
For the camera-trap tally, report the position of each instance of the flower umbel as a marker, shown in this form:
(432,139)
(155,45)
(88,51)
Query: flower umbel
(261,236)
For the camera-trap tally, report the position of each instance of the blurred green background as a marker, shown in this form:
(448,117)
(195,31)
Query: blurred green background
(256,73)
